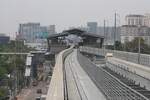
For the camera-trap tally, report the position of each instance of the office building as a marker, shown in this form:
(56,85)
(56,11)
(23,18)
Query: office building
(34,32)
(29,31)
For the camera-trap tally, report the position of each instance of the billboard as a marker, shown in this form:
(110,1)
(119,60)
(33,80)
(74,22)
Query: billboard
(41,35)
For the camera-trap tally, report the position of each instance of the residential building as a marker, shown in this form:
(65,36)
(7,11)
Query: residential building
(128,33)
(147,20)
(136,26)
(133,19)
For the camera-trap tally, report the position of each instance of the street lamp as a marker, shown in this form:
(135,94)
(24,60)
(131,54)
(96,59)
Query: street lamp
(139,43)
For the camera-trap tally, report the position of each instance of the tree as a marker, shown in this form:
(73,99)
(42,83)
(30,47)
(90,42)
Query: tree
(13,65)
(118,45)
(133,46)
(3,93)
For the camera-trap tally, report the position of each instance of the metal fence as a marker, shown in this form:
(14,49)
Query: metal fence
(143,59)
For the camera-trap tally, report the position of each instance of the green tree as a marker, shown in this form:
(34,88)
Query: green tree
(3,93)
(133,46)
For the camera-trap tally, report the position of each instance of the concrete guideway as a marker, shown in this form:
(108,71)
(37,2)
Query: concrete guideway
(56,87)
(84,85)
(112,87)
(71,82)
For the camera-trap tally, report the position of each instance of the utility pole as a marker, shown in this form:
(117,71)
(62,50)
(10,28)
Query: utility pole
(139,49)
(115,27)
(104,34)
(139,44)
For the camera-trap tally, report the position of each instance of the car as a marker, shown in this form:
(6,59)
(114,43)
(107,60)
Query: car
(109,55)
(43,97)
(39,91)
(34,83)
(38,98)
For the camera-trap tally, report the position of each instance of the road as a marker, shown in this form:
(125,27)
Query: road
(31,93)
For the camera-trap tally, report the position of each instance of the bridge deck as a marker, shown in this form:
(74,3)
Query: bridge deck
(83,85)
(113,88)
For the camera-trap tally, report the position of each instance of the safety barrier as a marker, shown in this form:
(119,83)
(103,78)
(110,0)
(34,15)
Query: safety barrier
(143,59)
(141,74)
(56,89)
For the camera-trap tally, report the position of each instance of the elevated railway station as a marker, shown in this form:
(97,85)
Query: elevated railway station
(58,42)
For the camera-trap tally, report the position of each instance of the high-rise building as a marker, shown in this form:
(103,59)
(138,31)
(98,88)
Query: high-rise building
(92,27)
(29,31)
(33,32)
(51,29)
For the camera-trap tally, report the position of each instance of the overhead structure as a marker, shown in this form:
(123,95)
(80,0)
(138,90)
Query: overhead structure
(88,39)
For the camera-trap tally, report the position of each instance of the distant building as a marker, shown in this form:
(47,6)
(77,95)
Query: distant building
(34,32)
(35,35)
(109,34)
(92,27)
(29,31)
(51,29)
(83,28)
(147,20)
(128,33)
(136,26)
(135,20)
(4,39)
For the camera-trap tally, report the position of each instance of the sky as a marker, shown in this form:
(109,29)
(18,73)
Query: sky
(66,13)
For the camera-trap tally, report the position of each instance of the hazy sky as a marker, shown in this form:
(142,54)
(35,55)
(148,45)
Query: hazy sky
(65,13)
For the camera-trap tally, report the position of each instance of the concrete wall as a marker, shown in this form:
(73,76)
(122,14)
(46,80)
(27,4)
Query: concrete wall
(143,59)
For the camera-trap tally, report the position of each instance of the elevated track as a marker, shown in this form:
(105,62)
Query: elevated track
(76,78)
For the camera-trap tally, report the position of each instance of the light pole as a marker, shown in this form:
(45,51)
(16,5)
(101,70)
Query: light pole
(139,44)
(104,35)
(115,27)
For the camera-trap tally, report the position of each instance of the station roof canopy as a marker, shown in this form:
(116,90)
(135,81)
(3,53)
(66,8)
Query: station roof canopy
(75,32)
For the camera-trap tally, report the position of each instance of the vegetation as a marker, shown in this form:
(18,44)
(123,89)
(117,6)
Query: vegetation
(14,46)
(3,93)
(132,46)
(12,66)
